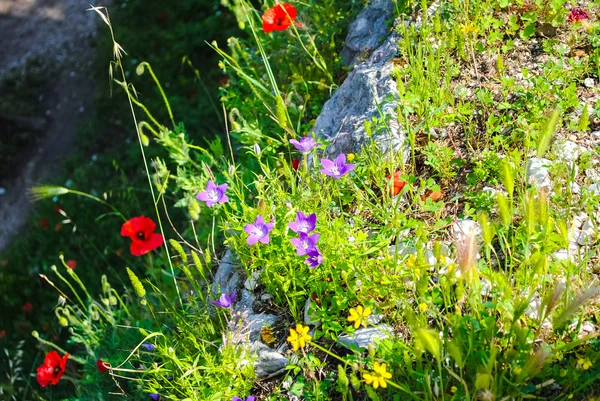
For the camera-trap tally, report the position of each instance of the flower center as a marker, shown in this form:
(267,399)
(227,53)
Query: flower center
(334,170)
(140,235)
(303,226)
(258,232)
(279,21)
(213,195)
(56,370)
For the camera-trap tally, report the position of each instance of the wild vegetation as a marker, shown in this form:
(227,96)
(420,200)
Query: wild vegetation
(474,271)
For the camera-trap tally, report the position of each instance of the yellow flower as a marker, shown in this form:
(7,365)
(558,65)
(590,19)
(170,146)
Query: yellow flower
(584,363)
(350,157)
(423,306)
(378,376)
(453,389)
(465,29)
(359,316)
(299,337)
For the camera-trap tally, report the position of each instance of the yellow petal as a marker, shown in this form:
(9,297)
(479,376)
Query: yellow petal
(359,310)
(382,382)
(367,311)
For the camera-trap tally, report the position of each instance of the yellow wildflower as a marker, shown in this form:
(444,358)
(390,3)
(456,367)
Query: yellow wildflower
(584,363)
(465,29)
(453,389)
(423,306)
(350,157)
(299,337)
(378,376)
(359,316)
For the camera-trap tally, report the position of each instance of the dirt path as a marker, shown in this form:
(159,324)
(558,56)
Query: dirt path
(58,32)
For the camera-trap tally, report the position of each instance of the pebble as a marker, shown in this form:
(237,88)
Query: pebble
(588,82)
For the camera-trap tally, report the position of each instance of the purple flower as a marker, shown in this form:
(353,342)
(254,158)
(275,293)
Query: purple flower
(577,14)
(304,243)
(226,301)
(336,168)
(314,259)
(303,224)
(155,396)
(213,194)
(305,144)
(148,347)
(249,398)
(259,231)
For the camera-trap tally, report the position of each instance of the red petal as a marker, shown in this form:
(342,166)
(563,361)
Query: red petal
(131,227)
(141,248)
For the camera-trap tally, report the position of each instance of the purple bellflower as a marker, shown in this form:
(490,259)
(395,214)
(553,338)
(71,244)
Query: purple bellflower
(259,231)
(148,347)
(249,398)
(225,301)
(304,243)
(213,194)
(155,397)
(303,224)
(336,168)
(305,145)
(315,258)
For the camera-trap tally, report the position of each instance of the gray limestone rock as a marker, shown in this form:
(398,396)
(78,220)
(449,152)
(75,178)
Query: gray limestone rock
(268,361)
(227,278)
(363,337)
(369,91)
(367,32)
(538,174)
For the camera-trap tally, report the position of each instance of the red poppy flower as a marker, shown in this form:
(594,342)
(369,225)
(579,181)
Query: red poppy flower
(44,223)
(397,184)
(27,306)
(102,366)
(72,264)
(295,164)
(279,17)
(141,231)
(52,369)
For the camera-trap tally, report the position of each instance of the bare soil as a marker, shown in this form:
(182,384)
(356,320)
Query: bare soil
(60,33)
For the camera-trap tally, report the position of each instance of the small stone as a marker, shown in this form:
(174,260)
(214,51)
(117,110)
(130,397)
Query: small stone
(588,82)
(594,188)
(586,233)
(567,150)
(538,174)
(363,337)
(268,361)
(252,282)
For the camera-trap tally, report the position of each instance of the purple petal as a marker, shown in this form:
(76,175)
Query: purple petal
(327,164)
(222,188)
(312,221)
(202,196)
(346,169)
(249,228)
(340,160)
(269,226)
(265,239)
(298,245)
(293,226)
(259,221)
(252,240)
(210,185)
(217,303)
(250,398)
(236,399)
(224,199)
(209,203)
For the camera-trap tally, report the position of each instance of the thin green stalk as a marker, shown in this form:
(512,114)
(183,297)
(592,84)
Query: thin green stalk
(139,69)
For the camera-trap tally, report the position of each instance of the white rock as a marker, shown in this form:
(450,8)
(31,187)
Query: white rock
(585,233)
(268,361)
(363,337)
(588,82)
(538,174)
(567,150)
(595,188)
(252,282)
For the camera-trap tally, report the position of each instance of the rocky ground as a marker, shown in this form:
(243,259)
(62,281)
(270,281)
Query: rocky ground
(59,35)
